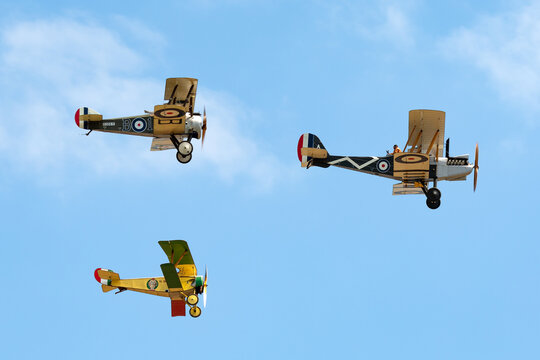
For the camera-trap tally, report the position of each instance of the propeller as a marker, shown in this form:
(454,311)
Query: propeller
(476,167)
(203,135)
(204,285)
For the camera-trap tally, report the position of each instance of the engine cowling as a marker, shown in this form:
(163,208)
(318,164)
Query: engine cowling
(194,124)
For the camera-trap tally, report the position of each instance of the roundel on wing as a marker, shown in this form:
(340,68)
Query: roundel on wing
(383,165)
(139,125)
(169,113)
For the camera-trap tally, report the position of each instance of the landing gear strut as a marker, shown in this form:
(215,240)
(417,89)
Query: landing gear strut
(433,197)
(184,149)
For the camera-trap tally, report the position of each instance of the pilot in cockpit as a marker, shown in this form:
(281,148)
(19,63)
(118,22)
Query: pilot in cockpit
(396,150)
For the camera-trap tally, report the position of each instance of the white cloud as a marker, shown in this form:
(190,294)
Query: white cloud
(231,153)
(56,66)
(387,21)
(60,49)
(507,48)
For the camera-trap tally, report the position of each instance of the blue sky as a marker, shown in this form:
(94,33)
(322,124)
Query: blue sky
(316,263)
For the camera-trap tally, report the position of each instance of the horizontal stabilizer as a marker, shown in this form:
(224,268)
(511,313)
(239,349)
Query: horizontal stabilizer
(107,288)
(406,189)
(314,153)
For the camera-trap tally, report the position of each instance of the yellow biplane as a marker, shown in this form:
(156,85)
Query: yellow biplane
(421,162)
(172,125)
(180,281)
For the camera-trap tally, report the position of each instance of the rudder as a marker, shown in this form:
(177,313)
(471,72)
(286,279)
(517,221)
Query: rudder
(309,147)
(105,277)
(84,115)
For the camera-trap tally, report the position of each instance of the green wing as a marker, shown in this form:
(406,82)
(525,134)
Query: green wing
(171,276)
(177,251)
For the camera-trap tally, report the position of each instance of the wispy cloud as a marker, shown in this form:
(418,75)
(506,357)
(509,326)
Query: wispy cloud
(385,22)
(56,66)
(507,48)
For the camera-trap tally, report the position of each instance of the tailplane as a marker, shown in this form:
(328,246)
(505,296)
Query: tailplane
(309,148)
(84,115)
(106,277)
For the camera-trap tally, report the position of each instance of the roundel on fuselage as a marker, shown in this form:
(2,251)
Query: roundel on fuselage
(411,158)
(169,113)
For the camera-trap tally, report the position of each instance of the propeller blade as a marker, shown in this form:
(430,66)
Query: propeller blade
(204,297)
(476,167)
(203,127)
(204,285)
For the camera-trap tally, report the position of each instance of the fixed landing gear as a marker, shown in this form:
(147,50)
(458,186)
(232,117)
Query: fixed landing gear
(433,204)
(192,299)
(433,196)
(184,149)
(183,159)
(195,311)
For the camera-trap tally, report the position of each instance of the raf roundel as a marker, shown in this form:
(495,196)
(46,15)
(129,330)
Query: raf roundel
(383,166)
(139,125)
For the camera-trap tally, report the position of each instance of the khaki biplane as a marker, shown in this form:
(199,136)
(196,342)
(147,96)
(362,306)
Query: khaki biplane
(172,125)
(421,162)
(180,281)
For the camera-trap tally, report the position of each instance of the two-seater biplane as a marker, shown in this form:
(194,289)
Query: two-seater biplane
(172,125)
(180,281)
(422,161)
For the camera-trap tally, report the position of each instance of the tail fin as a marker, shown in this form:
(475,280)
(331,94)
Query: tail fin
(85,114)
(105,277)
(310,147)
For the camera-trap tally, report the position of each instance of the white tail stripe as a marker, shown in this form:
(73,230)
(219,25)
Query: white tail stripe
(305,144)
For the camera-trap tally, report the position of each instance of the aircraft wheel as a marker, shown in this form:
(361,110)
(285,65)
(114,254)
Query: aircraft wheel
(434,194)
(185,148)
(192,299)
(433,204)
(183,159)
(195,311)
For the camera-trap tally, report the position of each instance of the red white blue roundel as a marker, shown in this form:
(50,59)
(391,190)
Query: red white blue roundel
(383,165)
(139,125)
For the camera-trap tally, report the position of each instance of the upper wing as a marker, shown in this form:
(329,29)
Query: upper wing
(426,132)
(179,255)
(181,91)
